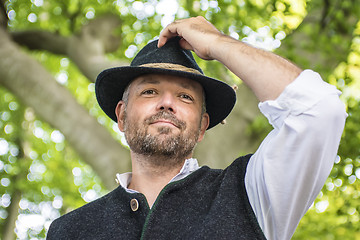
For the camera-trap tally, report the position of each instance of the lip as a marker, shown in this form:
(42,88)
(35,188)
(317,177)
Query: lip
(166,122)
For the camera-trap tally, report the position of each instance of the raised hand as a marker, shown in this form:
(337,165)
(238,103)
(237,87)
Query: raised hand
(197,34)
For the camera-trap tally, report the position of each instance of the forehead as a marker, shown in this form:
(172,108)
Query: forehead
(162,79)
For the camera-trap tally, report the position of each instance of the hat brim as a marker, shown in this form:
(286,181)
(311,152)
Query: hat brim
(111,83)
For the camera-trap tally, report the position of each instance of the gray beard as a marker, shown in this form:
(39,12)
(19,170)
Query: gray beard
(163,148)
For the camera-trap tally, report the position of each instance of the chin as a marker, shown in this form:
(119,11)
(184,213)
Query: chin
(164,130)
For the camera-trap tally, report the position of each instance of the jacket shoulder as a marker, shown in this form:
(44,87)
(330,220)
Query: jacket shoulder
(83,219)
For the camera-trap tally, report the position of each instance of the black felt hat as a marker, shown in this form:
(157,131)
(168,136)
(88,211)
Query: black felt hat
(170,59)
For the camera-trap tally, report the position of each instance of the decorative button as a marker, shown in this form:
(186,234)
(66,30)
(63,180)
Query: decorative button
(134,204)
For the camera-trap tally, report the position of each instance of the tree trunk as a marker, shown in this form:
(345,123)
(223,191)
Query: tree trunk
(322,41)
(225,142)
(13,212)
(34,86)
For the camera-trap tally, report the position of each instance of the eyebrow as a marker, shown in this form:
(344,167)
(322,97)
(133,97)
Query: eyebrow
(151,80)
(186,86)
(147,80)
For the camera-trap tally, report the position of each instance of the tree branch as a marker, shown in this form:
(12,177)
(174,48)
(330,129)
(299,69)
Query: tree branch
(35,86)
(41,40)
(325,12)
(87,49)
(26,78)
(71,16)
(304,46)
(3,15)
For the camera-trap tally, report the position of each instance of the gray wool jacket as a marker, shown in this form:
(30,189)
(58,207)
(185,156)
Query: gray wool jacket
(207,204)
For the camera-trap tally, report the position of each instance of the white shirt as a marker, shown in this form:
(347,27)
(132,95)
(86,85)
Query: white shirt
(288,170)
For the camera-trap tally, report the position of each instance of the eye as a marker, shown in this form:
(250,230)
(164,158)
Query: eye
(186,97)
(148,92)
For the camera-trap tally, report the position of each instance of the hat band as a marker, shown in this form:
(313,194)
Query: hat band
(171,66)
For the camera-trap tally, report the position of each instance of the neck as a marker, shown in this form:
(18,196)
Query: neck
(149,176)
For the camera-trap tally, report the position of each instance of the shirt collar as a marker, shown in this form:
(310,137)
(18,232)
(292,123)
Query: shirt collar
(190,165)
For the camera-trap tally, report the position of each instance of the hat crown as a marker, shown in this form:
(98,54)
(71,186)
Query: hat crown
(171,53)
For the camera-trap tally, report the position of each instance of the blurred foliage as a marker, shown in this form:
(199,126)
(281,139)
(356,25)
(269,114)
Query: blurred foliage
(36,160)
(336,212)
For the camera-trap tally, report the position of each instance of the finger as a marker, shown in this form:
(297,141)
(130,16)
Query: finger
(185,45)
(168,32)
(164,38)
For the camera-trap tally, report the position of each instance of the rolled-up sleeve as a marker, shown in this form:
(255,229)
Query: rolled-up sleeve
(288,170)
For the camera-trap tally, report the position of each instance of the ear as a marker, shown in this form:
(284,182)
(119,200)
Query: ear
(205,120)
(120,113)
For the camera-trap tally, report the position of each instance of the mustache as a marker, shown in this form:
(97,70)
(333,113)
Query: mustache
(163,115)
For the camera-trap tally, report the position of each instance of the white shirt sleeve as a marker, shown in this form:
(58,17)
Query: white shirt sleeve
(288,170)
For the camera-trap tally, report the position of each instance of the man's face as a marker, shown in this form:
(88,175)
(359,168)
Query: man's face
(163,116)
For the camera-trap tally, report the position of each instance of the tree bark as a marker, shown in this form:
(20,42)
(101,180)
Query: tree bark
(87,49)
(13,212)
(322,42)
(37,88)
(225,142)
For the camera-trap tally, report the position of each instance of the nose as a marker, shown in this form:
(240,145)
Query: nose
(167,103)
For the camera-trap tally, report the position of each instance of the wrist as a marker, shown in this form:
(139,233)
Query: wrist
(221,47)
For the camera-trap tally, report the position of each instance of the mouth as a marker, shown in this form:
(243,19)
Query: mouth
(165,119)
(165,123)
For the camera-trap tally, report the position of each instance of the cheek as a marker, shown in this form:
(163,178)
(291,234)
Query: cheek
(136,114)
(131,118)
(193,119)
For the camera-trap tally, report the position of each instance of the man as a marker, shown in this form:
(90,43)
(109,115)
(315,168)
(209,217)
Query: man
(164,104)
